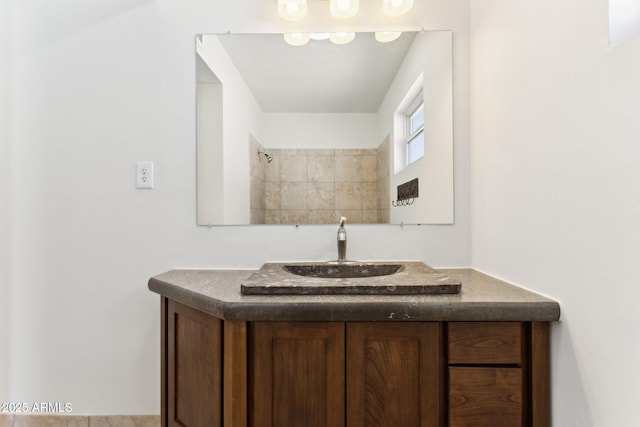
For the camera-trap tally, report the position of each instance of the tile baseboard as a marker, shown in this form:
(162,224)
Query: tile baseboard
(24,420)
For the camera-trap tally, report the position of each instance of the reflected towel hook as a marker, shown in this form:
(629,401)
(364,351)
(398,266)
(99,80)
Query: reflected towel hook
(407,193)
(403,202)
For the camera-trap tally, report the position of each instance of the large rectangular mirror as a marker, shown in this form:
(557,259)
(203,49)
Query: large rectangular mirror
(306,134)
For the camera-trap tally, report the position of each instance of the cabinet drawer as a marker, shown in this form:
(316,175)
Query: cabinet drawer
(474,343)
(485,397)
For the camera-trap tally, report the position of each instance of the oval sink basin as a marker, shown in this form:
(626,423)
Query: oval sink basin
(343,271)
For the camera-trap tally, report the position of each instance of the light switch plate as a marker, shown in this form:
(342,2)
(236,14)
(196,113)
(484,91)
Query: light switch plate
(144,175)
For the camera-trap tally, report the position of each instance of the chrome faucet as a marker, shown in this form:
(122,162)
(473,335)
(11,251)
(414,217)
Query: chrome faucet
(342,241)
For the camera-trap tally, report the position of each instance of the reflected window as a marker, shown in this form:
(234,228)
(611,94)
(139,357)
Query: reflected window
(414,130)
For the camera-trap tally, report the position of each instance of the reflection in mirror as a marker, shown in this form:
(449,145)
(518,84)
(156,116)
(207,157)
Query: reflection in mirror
(306,134)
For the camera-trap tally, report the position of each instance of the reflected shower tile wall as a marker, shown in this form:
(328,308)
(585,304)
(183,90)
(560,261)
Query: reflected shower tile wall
(369,165)
(257,173)
(369,216)
(272,216)
(384,196)
(294,216)
(348,166)
(369,195)
(383,181)
(321,195)
(272,170)
(293,165)
(317,186)
(272,194)
(354,215)
(321,166)
(321,216)
(257,216)
(257,193)
(293,195)
(348,195)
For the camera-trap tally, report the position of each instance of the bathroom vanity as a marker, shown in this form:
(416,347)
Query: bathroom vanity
(477,358)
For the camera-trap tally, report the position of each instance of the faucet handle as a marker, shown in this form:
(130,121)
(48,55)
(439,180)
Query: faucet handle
(343,219)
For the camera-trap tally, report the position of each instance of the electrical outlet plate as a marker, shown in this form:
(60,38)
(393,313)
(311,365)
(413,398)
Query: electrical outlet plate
(144,175)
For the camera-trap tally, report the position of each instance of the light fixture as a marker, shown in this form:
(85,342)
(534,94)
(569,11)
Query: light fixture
(292,10)
(387,36)
(319,36)
(395,8)
(295,10)
(296,39)
(342,37)
(343,9)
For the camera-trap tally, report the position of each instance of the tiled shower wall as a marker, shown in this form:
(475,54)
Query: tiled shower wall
(384,181)
(317,186)
(257,167)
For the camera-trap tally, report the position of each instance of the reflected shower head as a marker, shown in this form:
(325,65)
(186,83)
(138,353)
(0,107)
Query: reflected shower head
(268,157)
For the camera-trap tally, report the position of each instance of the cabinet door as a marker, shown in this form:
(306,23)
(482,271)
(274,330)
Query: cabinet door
(485,396)
(194,368)
(394,374)
(298,374)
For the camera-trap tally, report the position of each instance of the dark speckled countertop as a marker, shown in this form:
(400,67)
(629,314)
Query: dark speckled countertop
(482,298)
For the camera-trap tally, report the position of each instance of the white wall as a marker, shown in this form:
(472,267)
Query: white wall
(556,200)
(320,130)
(5,201)
(98,86)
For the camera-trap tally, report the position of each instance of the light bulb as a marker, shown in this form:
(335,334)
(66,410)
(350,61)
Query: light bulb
(342,4)
(395,8)
(387,36)
(292,10)
(296,39)
(342,37)
(343,9)
(319,36)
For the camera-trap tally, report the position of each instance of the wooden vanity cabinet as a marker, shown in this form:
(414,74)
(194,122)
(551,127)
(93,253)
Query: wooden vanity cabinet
(354,374)
(326,374)
(497,374)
